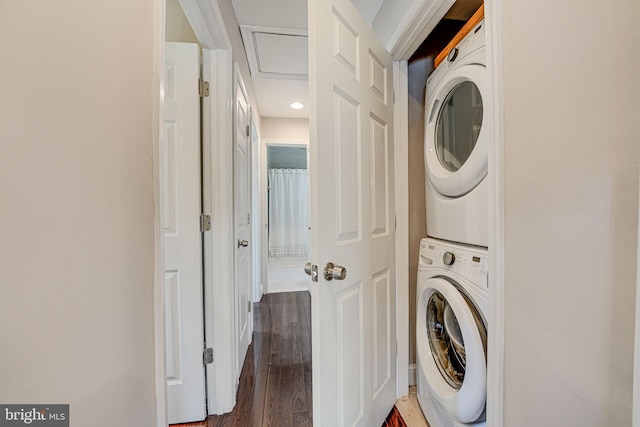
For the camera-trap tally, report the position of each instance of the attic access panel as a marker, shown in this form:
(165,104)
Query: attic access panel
(277,53)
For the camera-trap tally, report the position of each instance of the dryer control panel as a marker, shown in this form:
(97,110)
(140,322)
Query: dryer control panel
(470,262)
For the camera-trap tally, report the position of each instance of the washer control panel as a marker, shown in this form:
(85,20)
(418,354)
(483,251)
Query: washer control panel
(470,262)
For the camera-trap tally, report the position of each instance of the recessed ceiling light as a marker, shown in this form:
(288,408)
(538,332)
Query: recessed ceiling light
(296,105)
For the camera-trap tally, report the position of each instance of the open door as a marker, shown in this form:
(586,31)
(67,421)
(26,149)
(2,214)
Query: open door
(242,222)
(180,174)
(352,218)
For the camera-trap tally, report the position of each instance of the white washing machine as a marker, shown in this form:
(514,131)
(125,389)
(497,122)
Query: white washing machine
(456,145)
(451,333)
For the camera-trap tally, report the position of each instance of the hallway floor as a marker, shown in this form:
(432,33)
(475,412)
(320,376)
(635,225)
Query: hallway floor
(275,383)
(287,275)
(275,387)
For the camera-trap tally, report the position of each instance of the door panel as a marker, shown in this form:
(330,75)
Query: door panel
(351,358)
(348,157)
(352,209)
(180,174)
(380,177)
(382,333)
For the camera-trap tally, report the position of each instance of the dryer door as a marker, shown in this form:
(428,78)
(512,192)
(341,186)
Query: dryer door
(455,140)
(453,355)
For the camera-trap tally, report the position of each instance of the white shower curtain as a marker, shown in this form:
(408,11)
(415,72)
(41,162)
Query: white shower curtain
(288,212)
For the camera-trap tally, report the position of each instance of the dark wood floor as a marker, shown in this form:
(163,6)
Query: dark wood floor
(275,383)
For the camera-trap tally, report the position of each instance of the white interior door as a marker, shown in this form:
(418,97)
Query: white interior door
(353,222)
(242,223)
(180,174)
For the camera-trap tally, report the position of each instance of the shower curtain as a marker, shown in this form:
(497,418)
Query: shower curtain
(288,212)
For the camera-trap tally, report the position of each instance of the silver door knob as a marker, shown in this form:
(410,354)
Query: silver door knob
(243,243)
(311,270)
(332,271)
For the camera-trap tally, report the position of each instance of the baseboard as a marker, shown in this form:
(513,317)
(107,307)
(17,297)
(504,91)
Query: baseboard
(291,289)
(412,374)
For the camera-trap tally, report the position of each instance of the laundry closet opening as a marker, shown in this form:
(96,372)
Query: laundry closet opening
(287,217)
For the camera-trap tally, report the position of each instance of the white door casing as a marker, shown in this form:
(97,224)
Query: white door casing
(180,172)
(353,222)
(256,230)
(242,221)
(219,243)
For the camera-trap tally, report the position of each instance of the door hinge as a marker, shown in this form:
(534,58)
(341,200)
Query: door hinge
(207,356)
(203,88)
(249,305)
(248,131)
(205,222)
(248,218)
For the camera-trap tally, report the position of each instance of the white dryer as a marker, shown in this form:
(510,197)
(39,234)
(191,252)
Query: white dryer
(451,333)
(456,144)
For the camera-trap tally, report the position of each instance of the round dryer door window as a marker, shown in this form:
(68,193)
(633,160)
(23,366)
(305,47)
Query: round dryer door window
(458,125)
(456,142)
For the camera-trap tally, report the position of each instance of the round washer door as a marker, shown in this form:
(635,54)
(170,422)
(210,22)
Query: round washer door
(453,355)
(455,139)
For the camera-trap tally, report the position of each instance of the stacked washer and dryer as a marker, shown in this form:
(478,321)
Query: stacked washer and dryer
(452,294)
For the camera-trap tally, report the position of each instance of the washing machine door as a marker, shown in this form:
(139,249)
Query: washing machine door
(452,350)
(456,140)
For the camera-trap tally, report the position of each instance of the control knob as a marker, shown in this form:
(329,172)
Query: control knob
(449,258)
(453,54)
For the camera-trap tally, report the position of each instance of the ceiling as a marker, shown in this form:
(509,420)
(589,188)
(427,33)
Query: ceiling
(276,46)
(274,33)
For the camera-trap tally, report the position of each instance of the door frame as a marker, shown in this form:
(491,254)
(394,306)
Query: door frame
(402,45)
(217,127)
(495,102)
(157,128)
(218,243)
(208,25)
(256,214)
(261,198)
(635,410)
(405,374)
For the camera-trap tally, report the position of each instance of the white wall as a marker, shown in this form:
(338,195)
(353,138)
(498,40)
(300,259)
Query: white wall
(177,27)
(239,56)
(389,17)
(368,8)
(76,216)
(284,129)
(571,91)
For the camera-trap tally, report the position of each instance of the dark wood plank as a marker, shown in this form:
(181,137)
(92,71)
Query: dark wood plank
(262,339)
(299,399)
(196,424)
(275,386)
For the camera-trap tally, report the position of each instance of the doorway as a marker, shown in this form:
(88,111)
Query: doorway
(287,217)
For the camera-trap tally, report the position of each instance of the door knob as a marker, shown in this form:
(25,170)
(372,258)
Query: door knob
(243,243)
(311,270)
(332,271)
